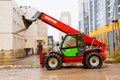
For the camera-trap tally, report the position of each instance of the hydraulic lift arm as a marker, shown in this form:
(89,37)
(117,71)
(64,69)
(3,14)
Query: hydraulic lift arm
(51,21)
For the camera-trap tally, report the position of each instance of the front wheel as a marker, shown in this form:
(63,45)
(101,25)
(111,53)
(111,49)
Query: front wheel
(93,60)
(53,62)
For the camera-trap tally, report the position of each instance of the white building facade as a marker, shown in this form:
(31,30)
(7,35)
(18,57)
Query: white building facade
(36,33)
(11,22)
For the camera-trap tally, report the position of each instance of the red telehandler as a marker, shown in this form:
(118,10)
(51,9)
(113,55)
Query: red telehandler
(75,47)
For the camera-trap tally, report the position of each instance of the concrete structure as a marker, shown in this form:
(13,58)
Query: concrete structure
(16,44)
(65,18)
(36,33)
(10,22)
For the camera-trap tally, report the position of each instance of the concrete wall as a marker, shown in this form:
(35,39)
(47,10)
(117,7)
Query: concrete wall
(5,16)
(5,25)
(10,22)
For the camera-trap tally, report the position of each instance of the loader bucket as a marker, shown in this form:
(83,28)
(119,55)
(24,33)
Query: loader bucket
(26,22)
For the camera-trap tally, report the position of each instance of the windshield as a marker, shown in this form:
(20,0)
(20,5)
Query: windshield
(70,41)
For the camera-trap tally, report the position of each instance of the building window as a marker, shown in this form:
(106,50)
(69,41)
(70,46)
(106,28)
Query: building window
(14,25)
(70,41)
(108,14)
(14,43)
(108,8)
(17,14)
(118,2)
(118,9)
(13,10)
(119,14)
(108,2)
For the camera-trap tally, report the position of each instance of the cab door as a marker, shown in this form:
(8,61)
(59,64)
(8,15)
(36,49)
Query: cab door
(81,45)
(69,46)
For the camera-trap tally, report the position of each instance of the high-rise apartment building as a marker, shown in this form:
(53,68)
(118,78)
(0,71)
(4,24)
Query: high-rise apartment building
(103,19)
(83,16)
(92,14)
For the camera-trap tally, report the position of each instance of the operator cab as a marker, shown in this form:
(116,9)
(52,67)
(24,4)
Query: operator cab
(73,45)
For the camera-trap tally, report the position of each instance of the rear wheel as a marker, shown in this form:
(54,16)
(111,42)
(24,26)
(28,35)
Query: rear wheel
(93,60)
(53,62)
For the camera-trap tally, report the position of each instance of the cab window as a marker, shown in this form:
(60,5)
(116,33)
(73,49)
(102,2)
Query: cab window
(70,41)
(81,42)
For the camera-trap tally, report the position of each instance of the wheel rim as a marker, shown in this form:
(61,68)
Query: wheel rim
(53,62)
(94,61)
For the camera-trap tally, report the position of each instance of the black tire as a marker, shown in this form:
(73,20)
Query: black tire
(53,62)
(85,66)
(93,60)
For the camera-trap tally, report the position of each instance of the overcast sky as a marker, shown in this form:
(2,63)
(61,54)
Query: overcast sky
(54,8)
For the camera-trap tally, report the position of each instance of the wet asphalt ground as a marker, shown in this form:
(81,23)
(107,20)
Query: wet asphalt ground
(107,72)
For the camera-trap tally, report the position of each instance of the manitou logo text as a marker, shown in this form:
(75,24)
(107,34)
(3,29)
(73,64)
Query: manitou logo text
(48,18)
